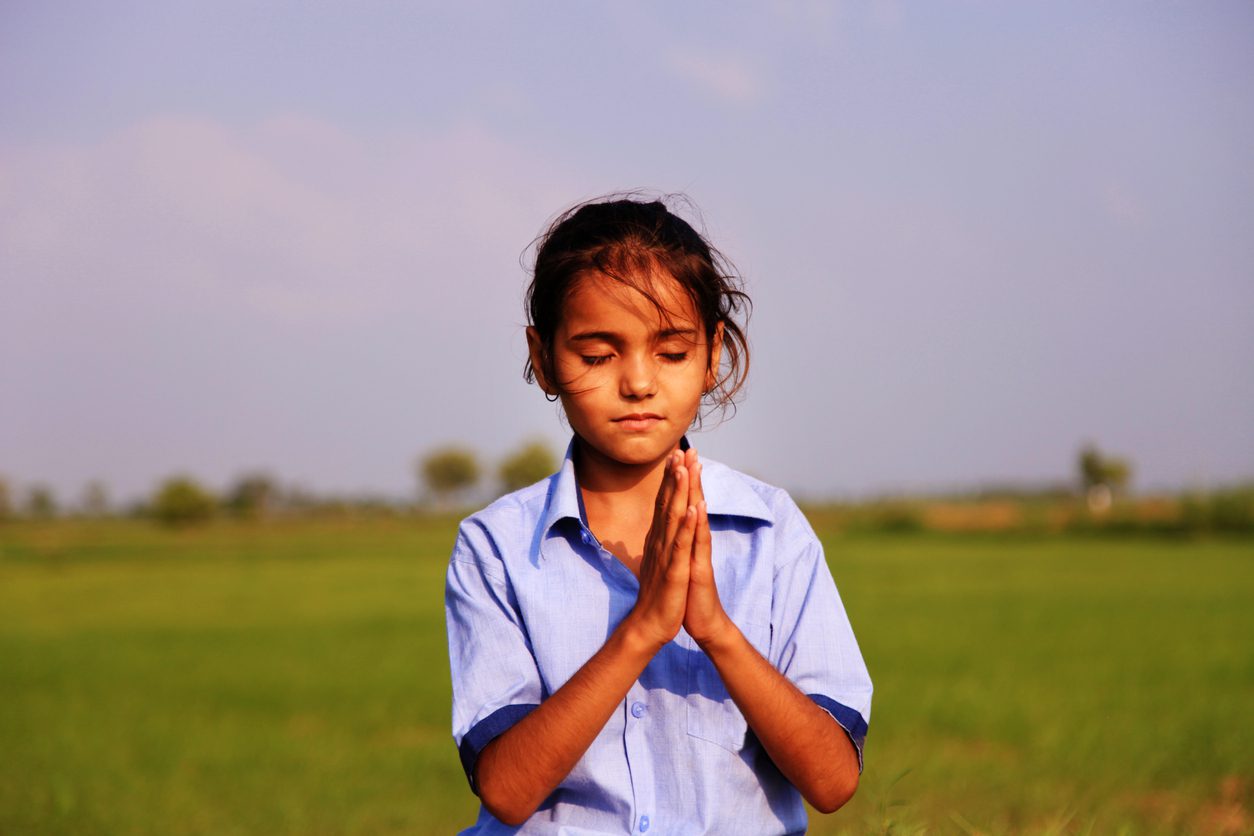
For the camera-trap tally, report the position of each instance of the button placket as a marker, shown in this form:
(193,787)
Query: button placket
(639,760)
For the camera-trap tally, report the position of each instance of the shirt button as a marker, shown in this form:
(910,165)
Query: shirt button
(644,820)
(586,537)
(637,710)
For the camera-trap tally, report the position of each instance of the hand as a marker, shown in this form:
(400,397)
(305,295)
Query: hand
(664,569)
(704,619)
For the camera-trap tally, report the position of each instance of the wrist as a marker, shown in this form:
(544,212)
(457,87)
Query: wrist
(724,636)
(637,639)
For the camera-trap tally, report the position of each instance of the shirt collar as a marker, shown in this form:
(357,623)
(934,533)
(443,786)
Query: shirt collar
(727,493)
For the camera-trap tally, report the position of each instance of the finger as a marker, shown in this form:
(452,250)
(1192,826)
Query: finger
(681,547)
(702,546)
(658,529)
(696,496)
(690,462)
(668,484)
(678,506)
(696,491)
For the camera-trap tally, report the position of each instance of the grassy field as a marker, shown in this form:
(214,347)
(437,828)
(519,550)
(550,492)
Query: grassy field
(291,677)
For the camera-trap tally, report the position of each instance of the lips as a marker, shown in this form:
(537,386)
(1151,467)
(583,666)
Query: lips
(638,421)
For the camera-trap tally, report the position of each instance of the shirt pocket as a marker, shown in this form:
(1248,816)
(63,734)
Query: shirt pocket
(712,715)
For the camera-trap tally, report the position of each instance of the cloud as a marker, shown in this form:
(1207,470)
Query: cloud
(187,294)
(725,78)
(293,218)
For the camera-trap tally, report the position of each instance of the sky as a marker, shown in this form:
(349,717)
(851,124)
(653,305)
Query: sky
(293,237)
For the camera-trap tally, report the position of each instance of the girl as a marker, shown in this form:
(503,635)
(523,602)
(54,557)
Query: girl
(646,640)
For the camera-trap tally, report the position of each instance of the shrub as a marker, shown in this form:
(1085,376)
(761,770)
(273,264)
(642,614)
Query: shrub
(181,500)
(532,462)
(449,471)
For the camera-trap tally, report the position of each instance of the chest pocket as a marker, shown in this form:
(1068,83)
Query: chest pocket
(712,715)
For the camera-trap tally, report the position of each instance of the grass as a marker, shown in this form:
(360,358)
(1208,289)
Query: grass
(1033,686)
(292,678)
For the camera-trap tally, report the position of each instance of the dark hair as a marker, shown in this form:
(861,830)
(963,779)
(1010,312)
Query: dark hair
(628,239)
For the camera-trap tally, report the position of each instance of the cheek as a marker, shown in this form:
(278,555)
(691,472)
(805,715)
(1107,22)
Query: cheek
(690,384)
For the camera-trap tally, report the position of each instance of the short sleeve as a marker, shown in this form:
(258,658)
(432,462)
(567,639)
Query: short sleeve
(812,642)
(495,680)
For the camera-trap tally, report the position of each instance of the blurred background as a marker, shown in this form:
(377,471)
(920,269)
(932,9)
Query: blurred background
(261,275)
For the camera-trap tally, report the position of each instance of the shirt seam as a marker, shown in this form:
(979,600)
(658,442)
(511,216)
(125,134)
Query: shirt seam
(805,548)
(502,578)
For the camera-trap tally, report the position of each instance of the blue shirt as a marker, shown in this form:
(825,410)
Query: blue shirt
(532,595)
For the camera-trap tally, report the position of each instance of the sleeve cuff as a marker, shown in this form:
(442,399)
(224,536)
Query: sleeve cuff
(487,730)
(849,719)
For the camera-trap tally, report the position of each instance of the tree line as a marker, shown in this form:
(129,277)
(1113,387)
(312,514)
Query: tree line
(450,477)
(446,476)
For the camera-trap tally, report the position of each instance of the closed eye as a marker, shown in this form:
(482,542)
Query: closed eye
(675,357)
(595,359)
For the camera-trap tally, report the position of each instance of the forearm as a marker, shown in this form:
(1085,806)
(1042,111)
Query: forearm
(805,743)
(521,767)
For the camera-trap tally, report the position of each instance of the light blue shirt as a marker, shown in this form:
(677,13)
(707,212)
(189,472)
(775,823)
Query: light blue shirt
(532,595)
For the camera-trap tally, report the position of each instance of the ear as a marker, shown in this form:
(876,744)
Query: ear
(535,348)
(716,354)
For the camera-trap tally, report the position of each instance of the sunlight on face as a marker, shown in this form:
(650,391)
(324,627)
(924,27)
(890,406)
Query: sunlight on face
(631,373)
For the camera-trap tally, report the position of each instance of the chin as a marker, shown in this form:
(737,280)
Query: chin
(638,457)
(634,451)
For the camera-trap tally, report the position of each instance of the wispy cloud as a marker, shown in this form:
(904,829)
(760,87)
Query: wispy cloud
(724,77)
(293,218)
(302,279)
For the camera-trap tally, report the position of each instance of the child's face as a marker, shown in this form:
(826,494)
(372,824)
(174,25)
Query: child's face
(631,377)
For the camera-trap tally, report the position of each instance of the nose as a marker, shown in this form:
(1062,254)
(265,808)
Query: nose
(639,377)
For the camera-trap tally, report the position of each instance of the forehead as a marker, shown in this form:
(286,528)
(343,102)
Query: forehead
(655,302)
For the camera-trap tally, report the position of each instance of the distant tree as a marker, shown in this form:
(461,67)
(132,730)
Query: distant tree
(529,464)
(252,496)
(449,471)
(95,501)
(299,500)
(180,500)
(1102,477)
(6,500)
(1091,470)
(40,503)
(1118,474)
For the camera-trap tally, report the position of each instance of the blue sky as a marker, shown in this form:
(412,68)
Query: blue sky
(291,238)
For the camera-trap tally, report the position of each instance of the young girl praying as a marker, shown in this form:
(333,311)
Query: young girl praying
(647,640)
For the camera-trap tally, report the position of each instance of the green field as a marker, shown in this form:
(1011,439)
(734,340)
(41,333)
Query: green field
(291,677)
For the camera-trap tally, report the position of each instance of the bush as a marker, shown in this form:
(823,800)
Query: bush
(449,471)
(531,463)
(1228,511)
(40,503)
(180,500)
(6,500)
(252,496)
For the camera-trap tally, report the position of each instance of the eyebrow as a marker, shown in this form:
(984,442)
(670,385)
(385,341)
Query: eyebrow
(604,336)
(610,336)
(677,332)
